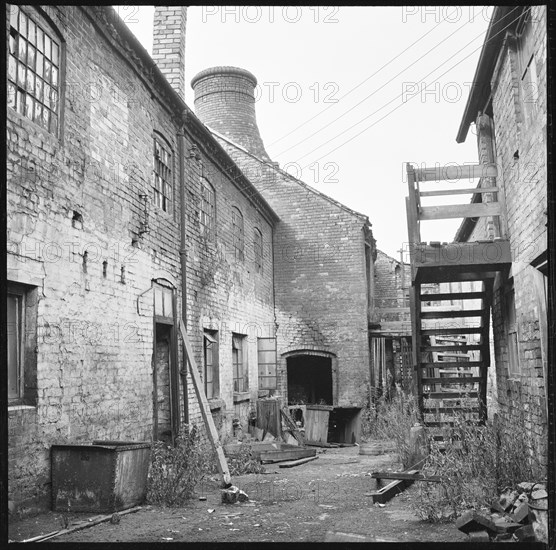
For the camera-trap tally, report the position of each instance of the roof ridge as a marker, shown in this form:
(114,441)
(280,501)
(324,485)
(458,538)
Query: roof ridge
(283,172)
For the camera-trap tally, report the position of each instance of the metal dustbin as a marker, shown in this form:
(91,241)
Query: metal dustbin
(106,476)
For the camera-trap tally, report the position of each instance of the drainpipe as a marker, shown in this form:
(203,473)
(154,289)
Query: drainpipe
(183,261)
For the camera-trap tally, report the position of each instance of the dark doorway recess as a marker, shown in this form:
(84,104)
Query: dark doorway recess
(309,379)
(162,405)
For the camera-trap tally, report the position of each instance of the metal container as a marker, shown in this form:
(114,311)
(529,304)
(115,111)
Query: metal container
(106,476)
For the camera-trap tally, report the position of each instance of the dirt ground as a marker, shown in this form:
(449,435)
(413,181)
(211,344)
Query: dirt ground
(298,504)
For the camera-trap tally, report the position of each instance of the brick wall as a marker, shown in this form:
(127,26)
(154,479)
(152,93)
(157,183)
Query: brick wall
(77,204)
(521,158)
(320,277)
(169,44)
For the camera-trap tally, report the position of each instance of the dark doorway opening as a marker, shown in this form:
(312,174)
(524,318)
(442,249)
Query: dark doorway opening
(162,362)
(309,380)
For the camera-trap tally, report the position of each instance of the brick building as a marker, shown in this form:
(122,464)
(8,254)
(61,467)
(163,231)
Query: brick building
(508,106)
(323,256)
(390,328)
(102,156)
(126,215)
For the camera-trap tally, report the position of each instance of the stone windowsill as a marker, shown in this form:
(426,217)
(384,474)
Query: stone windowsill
(14,408)
(241,396)
(216,403)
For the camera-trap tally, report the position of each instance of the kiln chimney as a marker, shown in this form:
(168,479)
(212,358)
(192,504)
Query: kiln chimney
(225,101)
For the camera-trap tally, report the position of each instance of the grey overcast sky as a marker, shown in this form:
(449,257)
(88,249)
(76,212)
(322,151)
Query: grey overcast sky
(347,95)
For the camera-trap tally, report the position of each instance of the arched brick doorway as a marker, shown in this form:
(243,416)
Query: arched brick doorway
(309,378)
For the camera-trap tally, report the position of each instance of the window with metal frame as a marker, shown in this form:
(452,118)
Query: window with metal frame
(527,67)
(239,367)
(237,233)
(266,355)
(16,330)
(258,250)
(162,175)
(34,61)
(207,210)
(163,302)
(210,352)
(511,331)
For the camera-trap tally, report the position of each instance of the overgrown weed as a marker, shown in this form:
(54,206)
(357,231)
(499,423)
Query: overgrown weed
(175,471)
(476,464)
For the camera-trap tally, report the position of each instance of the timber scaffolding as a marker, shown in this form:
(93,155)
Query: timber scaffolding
(450,340)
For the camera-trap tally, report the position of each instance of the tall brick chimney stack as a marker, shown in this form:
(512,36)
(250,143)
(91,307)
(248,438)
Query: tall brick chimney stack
(225,101)
(169,44)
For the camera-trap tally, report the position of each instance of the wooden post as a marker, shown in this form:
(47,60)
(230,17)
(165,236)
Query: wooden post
(205,410)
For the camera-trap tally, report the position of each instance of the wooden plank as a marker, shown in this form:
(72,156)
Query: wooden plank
(450,364)
(452,296)
(286,454)
(392,489)
(221,462)
(459,191)
(292,463)
(461,172)
(455,348)
(405,475)
(449,211)
(445,331)
(268,417)
(452,380)
(443,410)
(316,424)
(82,525)
(284,413)
(450,394)
(452,314)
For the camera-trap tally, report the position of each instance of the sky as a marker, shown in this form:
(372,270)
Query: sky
(348,95)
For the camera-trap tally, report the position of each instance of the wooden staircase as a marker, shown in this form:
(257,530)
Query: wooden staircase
(451,347)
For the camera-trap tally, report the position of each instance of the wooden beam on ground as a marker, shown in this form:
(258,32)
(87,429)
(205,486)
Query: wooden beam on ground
(82,525)
(286,454)
(382,496)
(406,475)
(292,463)
(469,171)
(221,462)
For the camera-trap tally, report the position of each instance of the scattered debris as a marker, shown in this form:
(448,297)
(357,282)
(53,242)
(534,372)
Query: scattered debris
(519,514)
(233,494)
(115,519)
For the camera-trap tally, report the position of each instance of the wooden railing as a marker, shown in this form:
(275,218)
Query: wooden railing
(416,213)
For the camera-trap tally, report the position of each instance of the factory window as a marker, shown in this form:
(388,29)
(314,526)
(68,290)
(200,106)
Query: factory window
(240,370)
(207,211)
(258,250)
(266,355)
(211,363)
(237,233)
(21,302)
(527,68)
(34,60)
(511,332)
(162,175)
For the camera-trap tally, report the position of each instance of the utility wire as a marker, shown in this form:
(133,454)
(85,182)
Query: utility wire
(378,89)
(358,85)
(397,97)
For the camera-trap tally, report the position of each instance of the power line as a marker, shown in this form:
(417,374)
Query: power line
(377,90)
(397,97)
(358,85)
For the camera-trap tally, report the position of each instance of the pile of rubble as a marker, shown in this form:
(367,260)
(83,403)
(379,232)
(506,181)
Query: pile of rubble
(519,514)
